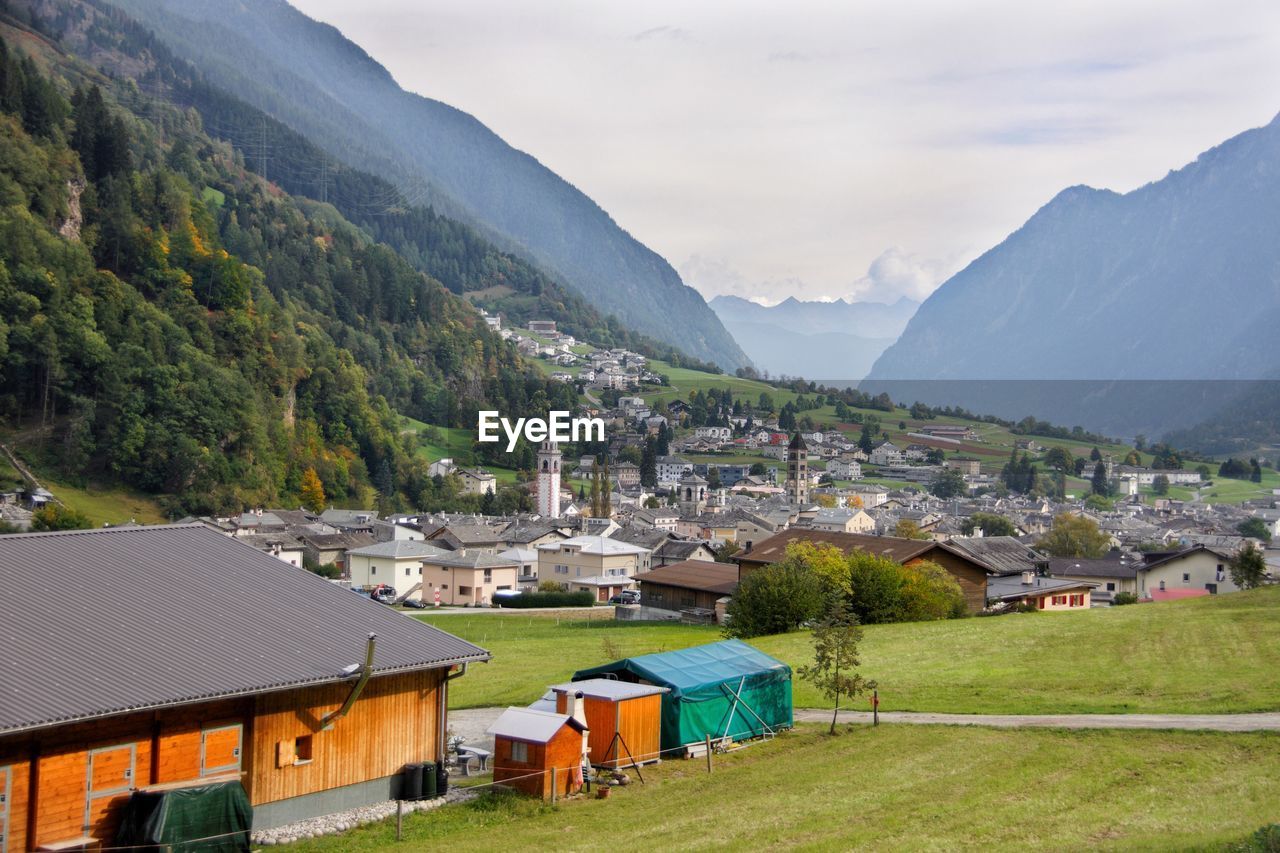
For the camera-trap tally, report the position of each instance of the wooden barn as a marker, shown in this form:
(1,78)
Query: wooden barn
(538,752)
(624,720)
(188,657)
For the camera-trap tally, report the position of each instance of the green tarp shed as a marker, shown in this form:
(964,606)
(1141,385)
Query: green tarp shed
(725,689)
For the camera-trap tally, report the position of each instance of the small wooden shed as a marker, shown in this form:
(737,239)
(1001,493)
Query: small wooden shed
(528,745)
(624,719)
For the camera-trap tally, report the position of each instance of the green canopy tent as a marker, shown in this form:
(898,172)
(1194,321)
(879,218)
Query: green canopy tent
(726,689)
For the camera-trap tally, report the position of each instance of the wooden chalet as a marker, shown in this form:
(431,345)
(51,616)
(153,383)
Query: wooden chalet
(184,657)
(691,584)
(969,572)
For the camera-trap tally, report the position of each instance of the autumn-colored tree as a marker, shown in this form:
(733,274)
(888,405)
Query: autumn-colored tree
(908,529)
(1074,536)
(312,491)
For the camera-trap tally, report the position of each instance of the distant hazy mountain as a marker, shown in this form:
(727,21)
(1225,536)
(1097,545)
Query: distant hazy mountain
(1178,280)
(816,340)
(311,77)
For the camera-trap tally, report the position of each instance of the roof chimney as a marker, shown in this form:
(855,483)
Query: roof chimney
(1028,578)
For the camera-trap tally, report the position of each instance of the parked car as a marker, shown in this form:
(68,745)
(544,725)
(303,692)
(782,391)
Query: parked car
(627,596)
(415,603)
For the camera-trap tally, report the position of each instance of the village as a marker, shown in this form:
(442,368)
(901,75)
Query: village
(309,705)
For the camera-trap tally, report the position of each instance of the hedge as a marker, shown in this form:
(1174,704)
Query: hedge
(549,599)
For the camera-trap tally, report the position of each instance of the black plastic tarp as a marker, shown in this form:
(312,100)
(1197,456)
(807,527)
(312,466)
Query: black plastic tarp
(214,818)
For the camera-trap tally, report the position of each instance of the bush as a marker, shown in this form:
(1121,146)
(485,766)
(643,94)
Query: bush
(776,599)
(1121,598)
(550,599)
(1265,840)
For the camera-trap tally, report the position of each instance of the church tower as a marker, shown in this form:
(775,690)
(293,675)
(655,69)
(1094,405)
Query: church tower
(798,471)
(692,491)
(549,480)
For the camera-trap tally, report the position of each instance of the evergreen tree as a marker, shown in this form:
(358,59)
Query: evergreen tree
(1099,482)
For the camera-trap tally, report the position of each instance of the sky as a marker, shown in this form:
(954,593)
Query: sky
(834,150)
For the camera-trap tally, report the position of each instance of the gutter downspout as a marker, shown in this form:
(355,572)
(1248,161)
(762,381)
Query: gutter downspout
(365,672)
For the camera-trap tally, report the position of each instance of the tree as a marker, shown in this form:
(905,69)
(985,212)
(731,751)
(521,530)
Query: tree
(1074,536)
(649,464)
(595,488)
(1255,473)
(724,554)
(1095,455)
(908,529)
(989,523)
(875,588)
(758,469)
(312,491)
(1248,568)
(1078,465)
(1254,528)
(835,658)
(1160,485)
(930,592)
(1099,481)
(866,443)
(53,516)
(949,483)
(774,600)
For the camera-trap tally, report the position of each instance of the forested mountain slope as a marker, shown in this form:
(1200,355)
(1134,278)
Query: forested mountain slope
(316,81)
(171,321)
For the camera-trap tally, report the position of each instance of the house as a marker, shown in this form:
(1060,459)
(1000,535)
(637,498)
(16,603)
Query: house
(397,564)
(948,431)
(968,572)
(966,465)
(624,720)
(626,474)
(843,520)
(539,753)
(469,578)
(476,481)
(1042,593)
(844,469)
(886,454)
(671,468)
(598,564)
(327,546)
(542,327)
(283,546)
(719,690)
(441,468)
(199,659)
(1114,572)
(693,585)
(659,518)
(474,535)
(526,560)
(1197,567)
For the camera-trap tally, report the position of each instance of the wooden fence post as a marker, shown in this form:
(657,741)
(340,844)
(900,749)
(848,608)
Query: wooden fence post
(553,784)
(708,753)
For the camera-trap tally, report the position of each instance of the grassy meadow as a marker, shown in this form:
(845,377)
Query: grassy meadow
(897,788)
(1206,655)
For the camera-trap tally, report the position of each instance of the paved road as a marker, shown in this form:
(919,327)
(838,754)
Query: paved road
(1204,722)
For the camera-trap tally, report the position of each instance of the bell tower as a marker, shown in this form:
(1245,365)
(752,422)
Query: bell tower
(798,471)
(549,480)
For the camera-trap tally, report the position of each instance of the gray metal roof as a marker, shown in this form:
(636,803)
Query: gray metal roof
(150,617)
(399,549)
(608,688)
(531,725)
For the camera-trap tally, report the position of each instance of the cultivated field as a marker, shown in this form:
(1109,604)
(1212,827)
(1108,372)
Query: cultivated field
(897,788)
(1207,655)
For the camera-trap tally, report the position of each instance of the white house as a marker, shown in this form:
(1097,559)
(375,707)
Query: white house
(886,454)
(844,469)
(397,564)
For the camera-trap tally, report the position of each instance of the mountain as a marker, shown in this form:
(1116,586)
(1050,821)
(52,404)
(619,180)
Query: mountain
(171,322)
(1140,295)
(307,75)
(817,340)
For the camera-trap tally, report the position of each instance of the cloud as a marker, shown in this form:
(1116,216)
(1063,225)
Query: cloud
(666,31)
(895,274)
(789,56)
(715,277)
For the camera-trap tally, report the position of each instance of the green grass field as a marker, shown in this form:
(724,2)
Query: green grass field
(455,443)
(1207,655)
(896,788)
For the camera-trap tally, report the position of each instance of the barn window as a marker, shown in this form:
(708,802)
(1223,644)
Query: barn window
(520,751)
(302,748)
